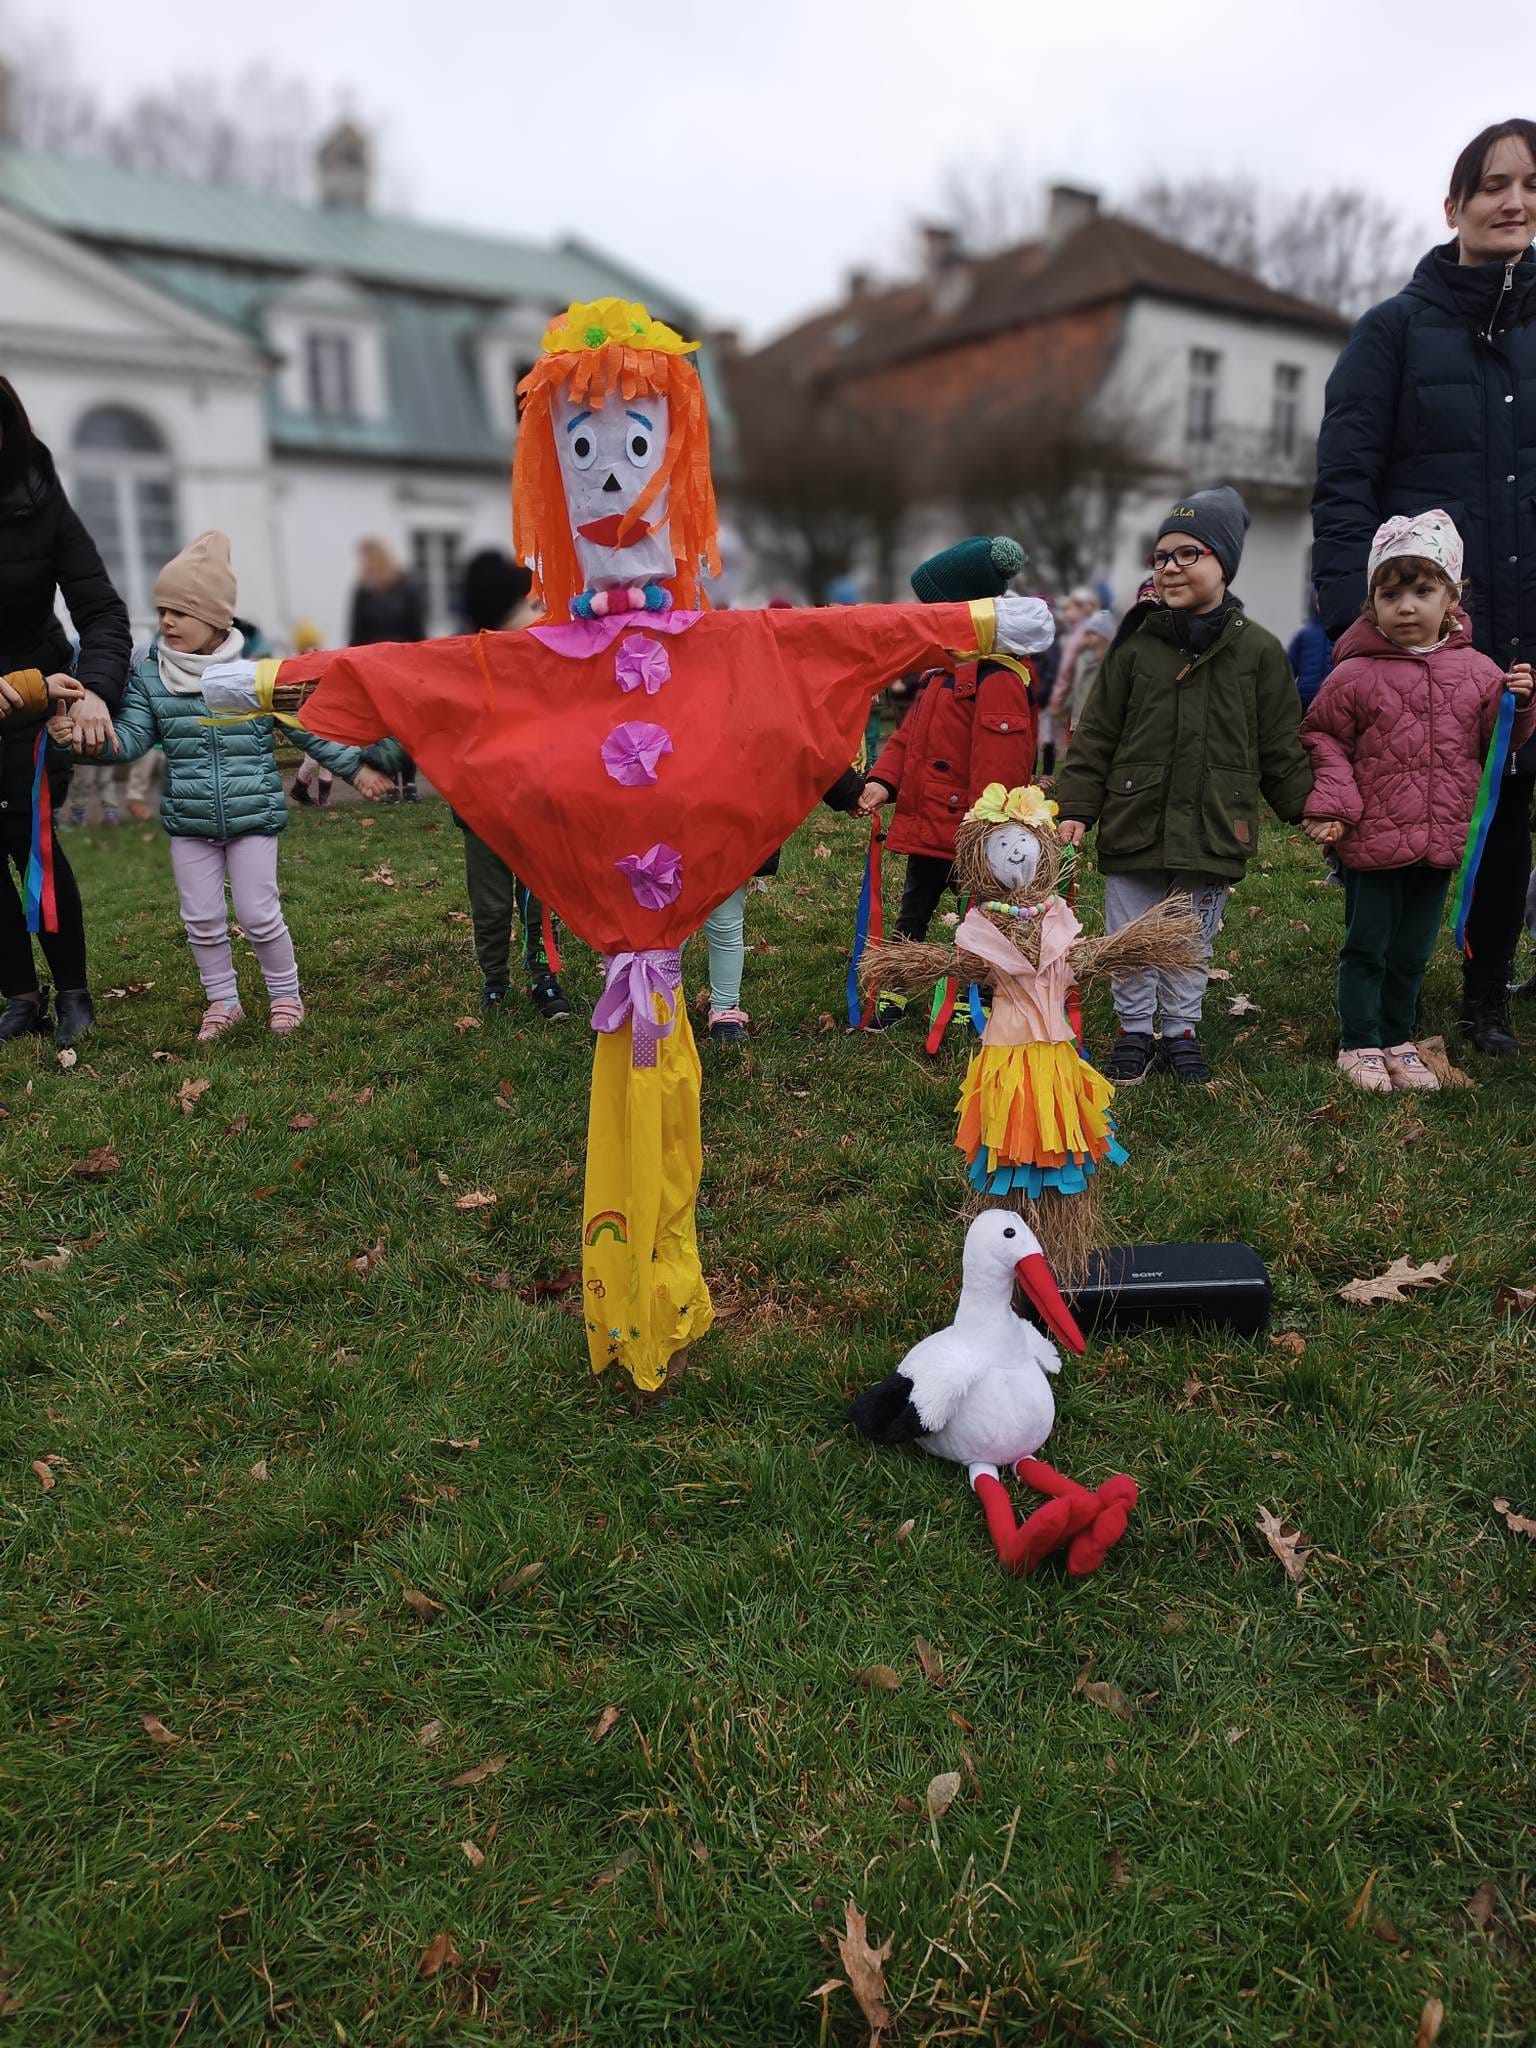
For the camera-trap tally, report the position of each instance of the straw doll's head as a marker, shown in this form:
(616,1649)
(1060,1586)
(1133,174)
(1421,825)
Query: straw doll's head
(1009,860)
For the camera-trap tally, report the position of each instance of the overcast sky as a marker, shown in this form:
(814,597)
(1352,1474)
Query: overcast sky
(749,155)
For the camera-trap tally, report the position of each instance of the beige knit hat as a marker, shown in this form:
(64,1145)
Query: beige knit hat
(200,582)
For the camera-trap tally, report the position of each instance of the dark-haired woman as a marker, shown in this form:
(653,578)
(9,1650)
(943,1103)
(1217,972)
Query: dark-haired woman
(1433,403)
(44,550)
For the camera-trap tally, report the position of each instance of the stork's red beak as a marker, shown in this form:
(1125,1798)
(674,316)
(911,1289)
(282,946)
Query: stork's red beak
(1039,1285)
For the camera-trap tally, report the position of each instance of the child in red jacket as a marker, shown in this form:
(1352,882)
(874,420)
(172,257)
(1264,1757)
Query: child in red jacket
(968,726)
(1397,735)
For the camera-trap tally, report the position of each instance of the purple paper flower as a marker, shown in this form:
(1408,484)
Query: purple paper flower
(642,661)
(631,751)
(656,876)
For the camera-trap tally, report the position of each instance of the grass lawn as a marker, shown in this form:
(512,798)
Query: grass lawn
(262,1452)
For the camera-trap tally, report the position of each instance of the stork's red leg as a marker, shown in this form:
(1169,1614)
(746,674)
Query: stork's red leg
(1002,1525)
(1115,1498)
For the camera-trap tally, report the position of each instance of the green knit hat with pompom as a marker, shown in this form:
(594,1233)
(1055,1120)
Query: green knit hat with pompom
(978,567)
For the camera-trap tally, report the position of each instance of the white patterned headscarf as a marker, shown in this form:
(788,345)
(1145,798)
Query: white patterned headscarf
(1427,536)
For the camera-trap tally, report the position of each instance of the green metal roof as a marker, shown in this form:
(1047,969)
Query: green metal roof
(228,253)
(102,203)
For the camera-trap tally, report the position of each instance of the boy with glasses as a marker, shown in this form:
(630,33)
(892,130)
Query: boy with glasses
(1194,716)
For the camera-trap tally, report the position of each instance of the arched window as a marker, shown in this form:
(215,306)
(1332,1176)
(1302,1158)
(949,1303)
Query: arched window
(125,491)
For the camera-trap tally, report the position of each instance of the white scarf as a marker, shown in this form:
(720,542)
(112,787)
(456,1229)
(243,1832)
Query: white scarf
(182,674)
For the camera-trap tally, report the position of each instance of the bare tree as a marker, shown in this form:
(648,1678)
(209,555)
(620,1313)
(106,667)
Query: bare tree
(258,130)
(1343,248)
(1055,475)
(822,488)
(991,203)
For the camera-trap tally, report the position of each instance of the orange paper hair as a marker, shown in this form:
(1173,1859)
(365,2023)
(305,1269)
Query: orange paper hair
(541,523)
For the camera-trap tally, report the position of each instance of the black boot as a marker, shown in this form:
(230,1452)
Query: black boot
(77,1015)
(1485,1023)
(23,1014)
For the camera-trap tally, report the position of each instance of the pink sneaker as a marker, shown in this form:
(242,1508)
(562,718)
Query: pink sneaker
(1366,1066)
(217,1019)
(1407,1070)
(728,1026)
(287,1013)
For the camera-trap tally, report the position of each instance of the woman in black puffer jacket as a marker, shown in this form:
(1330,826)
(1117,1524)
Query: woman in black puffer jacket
(1433,403)
(44,549)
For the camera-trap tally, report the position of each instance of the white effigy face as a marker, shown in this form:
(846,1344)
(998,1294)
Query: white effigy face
(607,456)
(1013,855)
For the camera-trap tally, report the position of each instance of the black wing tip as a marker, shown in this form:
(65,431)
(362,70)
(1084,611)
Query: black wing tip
(885,1413)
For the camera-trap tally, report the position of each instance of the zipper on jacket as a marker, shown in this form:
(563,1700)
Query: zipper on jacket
(1504,291)
(218,785)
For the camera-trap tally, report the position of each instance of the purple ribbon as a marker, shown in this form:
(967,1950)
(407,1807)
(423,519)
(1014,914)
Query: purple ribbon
(631,982)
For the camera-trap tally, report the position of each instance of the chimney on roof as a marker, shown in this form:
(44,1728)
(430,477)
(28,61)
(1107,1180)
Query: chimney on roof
(942,249)
(344,168)
(859,283)
(1068,208)
(7,102)
(725,341)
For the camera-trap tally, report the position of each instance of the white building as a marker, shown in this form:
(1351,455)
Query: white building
(1096,319)
(303,377)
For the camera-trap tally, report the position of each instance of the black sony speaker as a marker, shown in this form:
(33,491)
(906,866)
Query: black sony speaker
(1132,1285)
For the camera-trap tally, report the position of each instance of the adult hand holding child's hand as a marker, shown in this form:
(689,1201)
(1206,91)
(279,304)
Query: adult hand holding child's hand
(1322,831)
(875,794)
(1519,682)
(372,783)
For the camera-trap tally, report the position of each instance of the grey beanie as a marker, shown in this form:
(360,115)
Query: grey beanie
(1218,517)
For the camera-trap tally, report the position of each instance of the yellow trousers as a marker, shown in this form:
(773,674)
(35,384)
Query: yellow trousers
(643,1290)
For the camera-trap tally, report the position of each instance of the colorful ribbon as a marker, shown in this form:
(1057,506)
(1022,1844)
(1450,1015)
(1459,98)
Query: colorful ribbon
(1482,817)
(869,920)
(41,899)
(632,984)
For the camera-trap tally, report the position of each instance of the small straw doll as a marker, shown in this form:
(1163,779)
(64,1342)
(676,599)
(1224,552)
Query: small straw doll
(1033,1114)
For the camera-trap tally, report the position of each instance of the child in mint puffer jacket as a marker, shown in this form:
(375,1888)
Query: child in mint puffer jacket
(224,804)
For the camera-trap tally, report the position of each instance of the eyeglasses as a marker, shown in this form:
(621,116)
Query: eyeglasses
(1177,558)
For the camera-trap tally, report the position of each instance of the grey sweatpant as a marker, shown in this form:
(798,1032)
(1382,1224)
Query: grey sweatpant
(1176,996)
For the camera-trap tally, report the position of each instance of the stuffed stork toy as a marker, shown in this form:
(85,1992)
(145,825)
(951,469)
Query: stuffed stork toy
(979,1394)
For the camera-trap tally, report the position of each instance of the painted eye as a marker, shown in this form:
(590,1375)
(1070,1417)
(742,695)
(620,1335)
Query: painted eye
(1010,1231)
(637,446)
(583,448)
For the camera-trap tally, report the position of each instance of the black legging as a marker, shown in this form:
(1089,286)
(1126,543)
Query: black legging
(64,950)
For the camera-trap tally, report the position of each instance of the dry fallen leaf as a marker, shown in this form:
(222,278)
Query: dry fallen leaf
(1119,1870)
(525,1577)
(607,1721)
(1388,1286)
(383,874)
(421,1603)
(1242,1006)
(50,1262)
(158,1733)
(1434,1055)
(1218,974)
(43,1467)
(474,1857)
(1515,1301)
(237,1125)
(942,1793)
(463,1024)
(429,1732)
(67,1057)
(823,851)
(563,1282)
(1287,1544)
(1431,2020)
(303,1121)
(1291,1341)
(1105,1694)
(877,1677)
(616,1869)
(476,1774)
(931,1661)
(1518,1525)
(366,1261)
(477,1198)
(1357,1910)
(439,1954)
(456,1443)
(363,1097)
(905,1530)
(190,1093)
(259,1471)
(96,1165)
(866,1971)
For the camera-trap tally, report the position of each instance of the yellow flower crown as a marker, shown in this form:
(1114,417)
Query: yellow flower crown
(600,321)
(999,806)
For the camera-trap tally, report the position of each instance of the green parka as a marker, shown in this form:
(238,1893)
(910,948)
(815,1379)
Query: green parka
(1175,749)
(221,780)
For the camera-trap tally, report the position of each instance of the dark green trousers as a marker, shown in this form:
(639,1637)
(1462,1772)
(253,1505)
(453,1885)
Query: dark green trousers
(1391,921)
(497,902)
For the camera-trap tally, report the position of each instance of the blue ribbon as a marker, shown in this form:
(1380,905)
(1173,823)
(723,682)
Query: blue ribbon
(978,1014)
(860,935)
(1488,796)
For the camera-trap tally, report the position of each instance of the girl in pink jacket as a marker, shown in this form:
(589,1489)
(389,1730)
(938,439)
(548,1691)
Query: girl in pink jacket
(1397,735)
